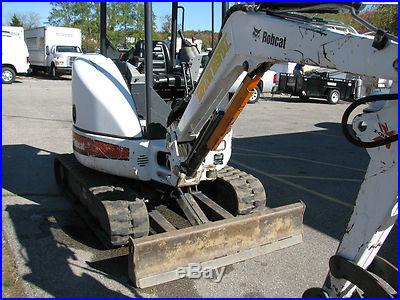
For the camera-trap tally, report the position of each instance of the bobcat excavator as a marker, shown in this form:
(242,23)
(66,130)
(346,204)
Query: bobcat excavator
(159,180)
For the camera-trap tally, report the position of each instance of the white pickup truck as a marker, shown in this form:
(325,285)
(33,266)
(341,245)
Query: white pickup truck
(53,49)
(14,56)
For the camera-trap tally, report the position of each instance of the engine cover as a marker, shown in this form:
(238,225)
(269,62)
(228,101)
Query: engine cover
(102,102)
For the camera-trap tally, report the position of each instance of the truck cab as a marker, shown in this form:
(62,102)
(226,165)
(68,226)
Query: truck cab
(60,58)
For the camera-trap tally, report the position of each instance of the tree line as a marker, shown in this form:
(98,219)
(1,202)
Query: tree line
(27,20)
(125,21)
(383,16)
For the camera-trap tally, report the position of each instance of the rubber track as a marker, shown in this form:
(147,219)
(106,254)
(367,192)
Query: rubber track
(111,209)
(249,190)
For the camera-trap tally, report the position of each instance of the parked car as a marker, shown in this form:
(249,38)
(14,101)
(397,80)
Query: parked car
(53,49)
(14,57)
(205,57)
(267,84)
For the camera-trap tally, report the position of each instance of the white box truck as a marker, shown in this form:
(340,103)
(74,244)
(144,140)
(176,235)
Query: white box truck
(14,57)
(53,49)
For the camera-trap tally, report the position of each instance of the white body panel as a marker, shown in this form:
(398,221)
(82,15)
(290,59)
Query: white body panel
(283,68)
(14,53)
(142,155)
(17,32)
(48,38)
(142,163)
(102,100)
(105,112)
(376,209)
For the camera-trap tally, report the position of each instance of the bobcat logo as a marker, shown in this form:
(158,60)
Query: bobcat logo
(256,33)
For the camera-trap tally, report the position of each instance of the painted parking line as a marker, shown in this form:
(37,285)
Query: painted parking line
(270,154)
(317,178)
(315,193)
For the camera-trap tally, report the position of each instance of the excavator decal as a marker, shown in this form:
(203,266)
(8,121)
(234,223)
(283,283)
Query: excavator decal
(90,147)
(213,66)
(256,33)
(273,40)
(384,134)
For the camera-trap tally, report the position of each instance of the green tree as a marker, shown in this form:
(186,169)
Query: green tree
(15,21)
(82,15)
(125,21)
(62,13)
(27,20)
(383,16)
(30,20)
(166,24)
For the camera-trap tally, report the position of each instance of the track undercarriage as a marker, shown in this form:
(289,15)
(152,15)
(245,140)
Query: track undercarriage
(217,223)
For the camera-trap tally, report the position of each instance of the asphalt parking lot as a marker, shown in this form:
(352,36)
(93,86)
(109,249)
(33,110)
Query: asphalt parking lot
(295,148)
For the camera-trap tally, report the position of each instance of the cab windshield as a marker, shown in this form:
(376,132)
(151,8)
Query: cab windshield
(68,49)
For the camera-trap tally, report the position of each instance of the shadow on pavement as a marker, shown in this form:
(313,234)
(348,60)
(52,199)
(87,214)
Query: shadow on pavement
(320,168)
(41,75)
(49,231)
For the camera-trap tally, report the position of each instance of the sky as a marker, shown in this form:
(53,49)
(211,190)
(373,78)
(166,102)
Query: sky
(200,10)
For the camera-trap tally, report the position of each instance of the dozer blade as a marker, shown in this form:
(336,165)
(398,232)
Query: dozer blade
(156,259)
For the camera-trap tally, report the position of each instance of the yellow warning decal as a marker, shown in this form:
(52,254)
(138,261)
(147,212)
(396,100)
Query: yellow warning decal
(213,66)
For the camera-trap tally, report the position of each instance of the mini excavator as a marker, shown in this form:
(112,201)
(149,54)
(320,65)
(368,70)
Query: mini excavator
(156,176)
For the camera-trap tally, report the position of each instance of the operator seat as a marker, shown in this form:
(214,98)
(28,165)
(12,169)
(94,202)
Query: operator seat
(166,77)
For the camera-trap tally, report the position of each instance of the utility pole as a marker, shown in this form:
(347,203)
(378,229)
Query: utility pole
(212,25)
(103,28)
(148,60)
(225,7)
